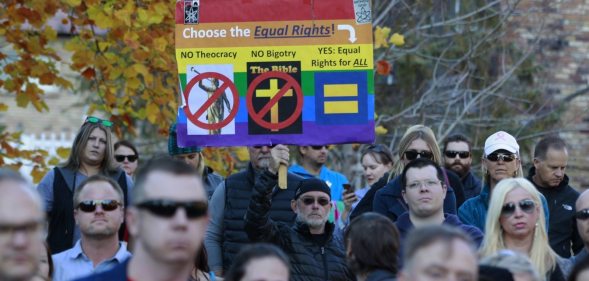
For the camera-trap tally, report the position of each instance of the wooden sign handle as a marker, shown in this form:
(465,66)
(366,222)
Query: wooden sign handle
(282,176)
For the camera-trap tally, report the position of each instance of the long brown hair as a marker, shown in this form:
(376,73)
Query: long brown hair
(107,166)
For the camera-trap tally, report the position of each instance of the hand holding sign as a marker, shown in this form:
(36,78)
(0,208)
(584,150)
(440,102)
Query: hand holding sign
(279,162)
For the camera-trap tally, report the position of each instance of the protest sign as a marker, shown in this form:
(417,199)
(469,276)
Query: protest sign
(255,72)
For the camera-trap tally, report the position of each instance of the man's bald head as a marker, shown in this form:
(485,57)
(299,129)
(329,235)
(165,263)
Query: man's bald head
(21,227)
(582,200)
(582,215)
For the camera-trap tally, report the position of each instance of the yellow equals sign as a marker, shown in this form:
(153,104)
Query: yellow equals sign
(340,90)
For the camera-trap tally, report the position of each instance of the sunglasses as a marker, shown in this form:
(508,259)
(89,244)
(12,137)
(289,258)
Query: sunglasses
(96,120)
(120,158)
(310,200)
(413,154)
(452,154)
(319,147)
(167,208)
(526,205)
(89,206)
(494,157)
(582,214)
(260,146)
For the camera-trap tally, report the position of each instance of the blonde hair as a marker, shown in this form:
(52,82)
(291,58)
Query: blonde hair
(541,255)
(416,132)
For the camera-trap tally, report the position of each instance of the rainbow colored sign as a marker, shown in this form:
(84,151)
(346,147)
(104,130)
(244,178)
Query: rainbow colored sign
(259,72)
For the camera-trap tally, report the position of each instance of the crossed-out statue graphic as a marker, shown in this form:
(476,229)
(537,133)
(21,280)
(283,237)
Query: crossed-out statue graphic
(216,111)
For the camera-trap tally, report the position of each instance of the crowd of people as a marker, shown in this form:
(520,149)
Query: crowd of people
(423,214)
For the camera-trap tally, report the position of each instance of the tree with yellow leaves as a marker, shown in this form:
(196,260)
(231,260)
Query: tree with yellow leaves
(123,51)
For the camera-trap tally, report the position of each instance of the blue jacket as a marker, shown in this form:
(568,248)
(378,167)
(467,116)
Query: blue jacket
(117,273)
(474,210)
(389,201)
(405,225)
(334,180)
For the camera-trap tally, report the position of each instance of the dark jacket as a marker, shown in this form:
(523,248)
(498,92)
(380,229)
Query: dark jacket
(117,273)
(312,257)
(238,192)
(563,234)
(472,186)
(405,225)
(389,201)
(381,275)
(60,235)
(365,204)
(453,180)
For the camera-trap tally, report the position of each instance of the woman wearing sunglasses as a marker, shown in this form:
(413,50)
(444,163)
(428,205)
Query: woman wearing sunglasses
(516,222)
(127,156)
(417,142)
(91,154)
(500,161)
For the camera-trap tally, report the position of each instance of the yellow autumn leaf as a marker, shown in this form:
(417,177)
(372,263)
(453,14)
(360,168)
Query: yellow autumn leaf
(3,107)
(50,33)
(133,83)
(100,18)
(242,153)
(397,40)
(38,173)
(125,14)
(142,69)
(63,152)
(153,111)
(54,161)
(380,130)
(73,3)
(149,17)
(102,46)
(160,44)
(380,37)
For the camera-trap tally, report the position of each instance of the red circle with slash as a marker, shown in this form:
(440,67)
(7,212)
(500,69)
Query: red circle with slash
(258,116)
(227,83)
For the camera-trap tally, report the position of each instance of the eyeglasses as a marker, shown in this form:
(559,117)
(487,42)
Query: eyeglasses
(89,206)
(526,205)
(494,157)
(96,120)
(260,146)
(582,214)
(452,154)
(310,200)
(120,158)
(426,183)
(413,154)
(167,208)
(319,147)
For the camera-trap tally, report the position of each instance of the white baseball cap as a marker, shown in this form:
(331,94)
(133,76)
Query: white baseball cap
(501,140)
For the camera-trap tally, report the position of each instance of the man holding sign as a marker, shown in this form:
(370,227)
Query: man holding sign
(226,235)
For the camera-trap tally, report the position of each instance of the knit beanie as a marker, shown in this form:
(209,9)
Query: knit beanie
(173,148)
(312,184)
